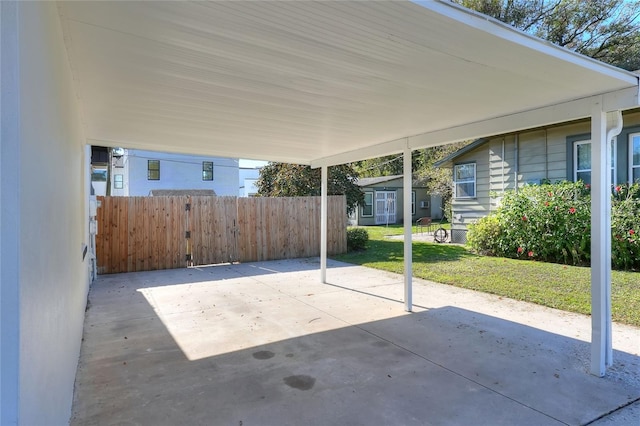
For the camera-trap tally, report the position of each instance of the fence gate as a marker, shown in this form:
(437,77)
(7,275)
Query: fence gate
(212,230)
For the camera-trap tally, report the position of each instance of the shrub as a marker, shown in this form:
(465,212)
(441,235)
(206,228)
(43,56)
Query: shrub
(357,239)
(552,223)
(483,235)
(625,225)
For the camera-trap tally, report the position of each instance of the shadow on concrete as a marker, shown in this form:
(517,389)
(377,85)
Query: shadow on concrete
(298,359)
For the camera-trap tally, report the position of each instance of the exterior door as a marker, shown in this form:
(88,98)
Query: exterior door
(385,207)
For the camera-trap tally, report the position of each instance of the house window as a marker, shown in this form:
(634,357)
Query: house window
(464,180)
(413,203)
(582,162)
(634,157)
(153,169)
(207,170)
(367,207)
(99,175)
(118,181)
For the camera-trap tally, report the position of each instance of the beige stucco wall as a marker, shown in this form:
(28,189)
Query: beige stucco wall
(52,277)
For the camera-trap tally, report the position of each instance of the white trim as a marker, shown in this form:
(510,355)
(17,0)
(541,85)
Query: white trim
(388,200)
(456,182)
(413,203)
(614,160)
(365,203)
(575,159)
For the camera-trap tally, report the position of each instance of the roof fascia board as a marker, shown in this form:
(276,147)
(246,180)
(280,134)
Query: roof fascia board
(473,145)
(500,29)
(553,114)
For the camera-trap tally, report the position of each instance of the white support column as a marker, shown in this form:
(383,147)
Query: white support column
(614,127)
(323,226)
(601,135)
(408,222)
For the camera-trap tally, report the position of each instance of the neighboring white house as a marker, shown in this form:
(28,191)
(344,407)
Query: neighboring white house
(248,176)
(136,172)
(99,170)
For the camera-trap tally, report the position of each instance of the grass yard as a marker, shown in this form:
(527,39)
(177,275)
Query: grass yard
(557,286)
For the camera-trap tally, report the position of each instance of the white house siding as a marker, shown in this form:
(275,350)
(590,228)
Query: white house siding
(178,171)
(248,176)
(52,182)
(120,166)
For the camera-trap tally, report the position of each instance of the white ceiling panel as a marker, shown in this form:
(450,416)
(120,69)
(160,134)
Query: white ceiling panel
(304,81)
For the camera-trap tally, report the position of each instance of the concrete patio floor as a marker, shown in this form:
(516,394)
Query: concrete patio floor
(267,344)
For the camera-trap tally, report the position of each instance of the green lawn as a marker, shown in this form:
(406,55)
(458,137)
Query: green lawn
(557,286)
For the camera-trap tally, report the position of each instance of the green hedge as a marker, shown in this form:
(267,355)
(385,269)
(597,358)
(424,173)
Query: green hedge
(552,223)
(357,239)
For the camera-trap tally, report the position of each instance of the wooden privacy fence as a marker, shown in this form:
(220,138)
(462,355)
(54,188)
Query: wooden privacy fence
(149,233)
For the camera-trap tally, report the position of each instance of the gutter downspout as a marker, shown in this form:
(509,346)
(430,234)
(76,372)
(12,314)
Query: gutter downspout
(604,126)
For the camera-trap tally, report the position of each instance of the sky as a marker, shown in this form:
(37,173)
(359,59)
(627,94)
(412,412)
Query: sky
(251,163)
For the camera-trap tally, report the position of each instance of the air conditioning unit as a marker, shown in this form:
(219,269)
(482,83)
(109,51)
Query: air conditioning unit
(117,152)
(424,204)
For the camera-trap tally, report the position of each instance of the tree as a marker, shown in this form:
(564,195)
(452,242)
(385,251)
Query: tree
(293,180)
(388,165)
(607,30)
(439,180)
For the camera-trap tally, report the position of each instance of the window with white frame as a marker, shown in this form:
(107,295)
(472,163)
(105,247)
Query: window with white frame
(207,170)
(367,206)
(464,180)
(118,181)
(413,203)
(634,157)
(153,169)
(582,161)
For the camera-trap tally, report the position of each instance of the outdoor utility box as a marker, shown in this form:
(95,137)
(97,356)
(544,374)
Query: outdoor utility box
(93,208)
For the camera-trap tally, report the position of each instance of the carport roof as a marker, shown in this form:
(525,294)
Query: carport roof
(318,83)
